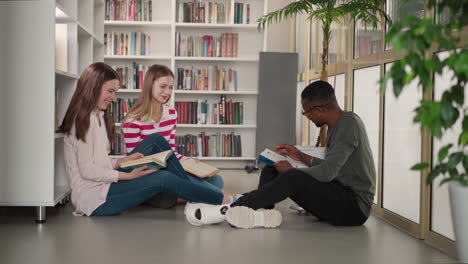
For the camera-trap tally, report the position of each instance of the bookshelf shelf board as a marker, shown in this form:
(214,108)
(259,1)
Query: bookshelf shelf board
(98,40)
(124,57)
(62,16)
(66,74)
(214,126)
(240,59)
(60,192)
(136,91)
(209,25)
(216,92)
(84,31)
(138,23)
(226,158)
(59,135)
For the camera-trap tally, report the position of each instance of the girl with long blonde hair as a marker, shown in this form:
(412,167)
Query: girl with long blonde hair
(153,115)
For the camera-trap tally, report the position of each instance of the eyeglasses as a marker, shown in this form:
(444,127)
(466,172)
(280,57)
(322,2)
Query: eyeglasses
(312,108)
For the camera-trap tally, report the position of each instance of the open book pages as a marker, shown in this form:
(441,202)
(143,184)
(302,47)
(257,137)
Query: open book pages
(200,169)
(155,161)
(269,157)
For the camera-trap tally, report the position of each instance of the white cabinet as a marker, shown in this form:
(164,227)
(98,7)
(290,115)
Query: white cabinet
(49,44)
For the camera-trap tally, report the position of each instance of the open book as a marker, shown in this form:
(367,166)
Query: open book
(159,160)
(200,169)
(155,161)
(269,157)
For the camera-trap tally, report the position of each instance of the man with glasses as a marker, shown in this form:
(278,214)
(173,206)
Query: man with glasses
(338,189)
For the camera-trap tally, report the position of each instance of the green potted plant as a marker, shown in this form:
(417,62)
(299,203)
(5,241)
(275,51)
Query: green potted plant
(327,12)
(419,39)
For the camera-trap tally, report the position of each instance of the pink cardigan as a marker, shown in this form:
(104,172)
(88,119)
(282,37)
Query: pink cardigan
(89,168)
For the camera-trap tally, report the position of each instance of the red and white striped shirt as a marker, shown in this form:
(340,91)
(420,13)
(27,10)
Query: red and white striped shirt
(137,130)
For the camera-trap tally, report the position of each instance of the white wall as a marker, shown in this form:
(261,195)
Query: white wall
(402,149)
(279,34)
(366,91)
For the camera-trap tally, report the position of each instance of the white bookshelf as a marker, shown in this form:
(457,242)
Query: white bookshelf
(64,37)
(164,27)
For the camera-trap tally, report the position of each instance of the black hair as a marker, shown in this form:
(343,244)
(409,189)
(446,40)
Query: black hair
(319,91)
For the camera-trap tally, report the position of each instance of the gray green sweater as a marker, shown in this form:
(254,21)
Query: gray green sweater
(348,159)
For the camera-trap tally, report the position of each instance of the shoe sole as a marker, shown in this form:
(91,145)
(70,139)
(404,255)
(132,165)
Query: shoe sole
(245,217)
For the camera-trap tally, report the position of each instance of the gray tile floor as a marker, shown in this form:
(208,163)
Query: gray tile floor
(146,235)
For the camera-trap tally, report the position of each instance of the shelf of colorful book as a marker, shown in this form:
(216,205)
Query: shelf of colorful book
(211,25)
(121,57)
(239,59)
(138,23)
(214,126)
(215,92)
(65,74)
(200,158)
(206,126)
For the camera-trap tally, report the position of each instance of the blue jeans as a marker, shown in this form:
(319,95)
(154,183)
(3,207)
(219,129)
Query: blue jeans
(173,180)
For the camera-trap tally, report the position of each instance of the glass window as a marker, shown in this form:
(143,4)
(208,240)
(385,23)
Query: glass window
(313,45)
(336,46)
(300,40)
(366,99)
(399,9)
(441,217)
(401,150)
(367,41)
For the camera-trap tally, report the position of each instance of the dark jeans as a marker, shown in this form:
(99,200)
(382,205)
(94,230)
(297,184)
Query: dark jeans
(329,201)
(173,180)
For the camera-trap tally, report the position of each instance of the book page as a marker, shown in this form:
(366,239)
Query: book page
(199,169)
(275,157)
(159,158)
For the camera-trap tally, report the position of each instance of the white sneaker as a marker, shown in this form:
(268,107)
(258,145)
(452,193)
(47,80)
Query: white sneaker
(199,214)
(245,217)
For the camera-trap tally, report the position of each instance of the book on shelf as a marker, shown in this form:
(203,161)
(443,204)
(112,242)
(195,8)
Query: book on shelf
(224,45)
(199,169)
(127,44)
(269,157)
(120,107)
(117,147)
(201,112)
(210,78)
(214,145)
(129,10)
(196,11)
(131,77)
(241,13)
(155,161)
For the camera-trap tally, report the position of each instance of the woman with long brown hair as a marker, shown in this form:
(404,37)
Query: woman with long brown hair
(152,115)
(98,187)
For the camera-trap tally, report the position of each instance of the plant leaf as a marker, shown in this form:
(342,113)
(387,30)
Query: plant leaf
(420,166)
(443,152)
